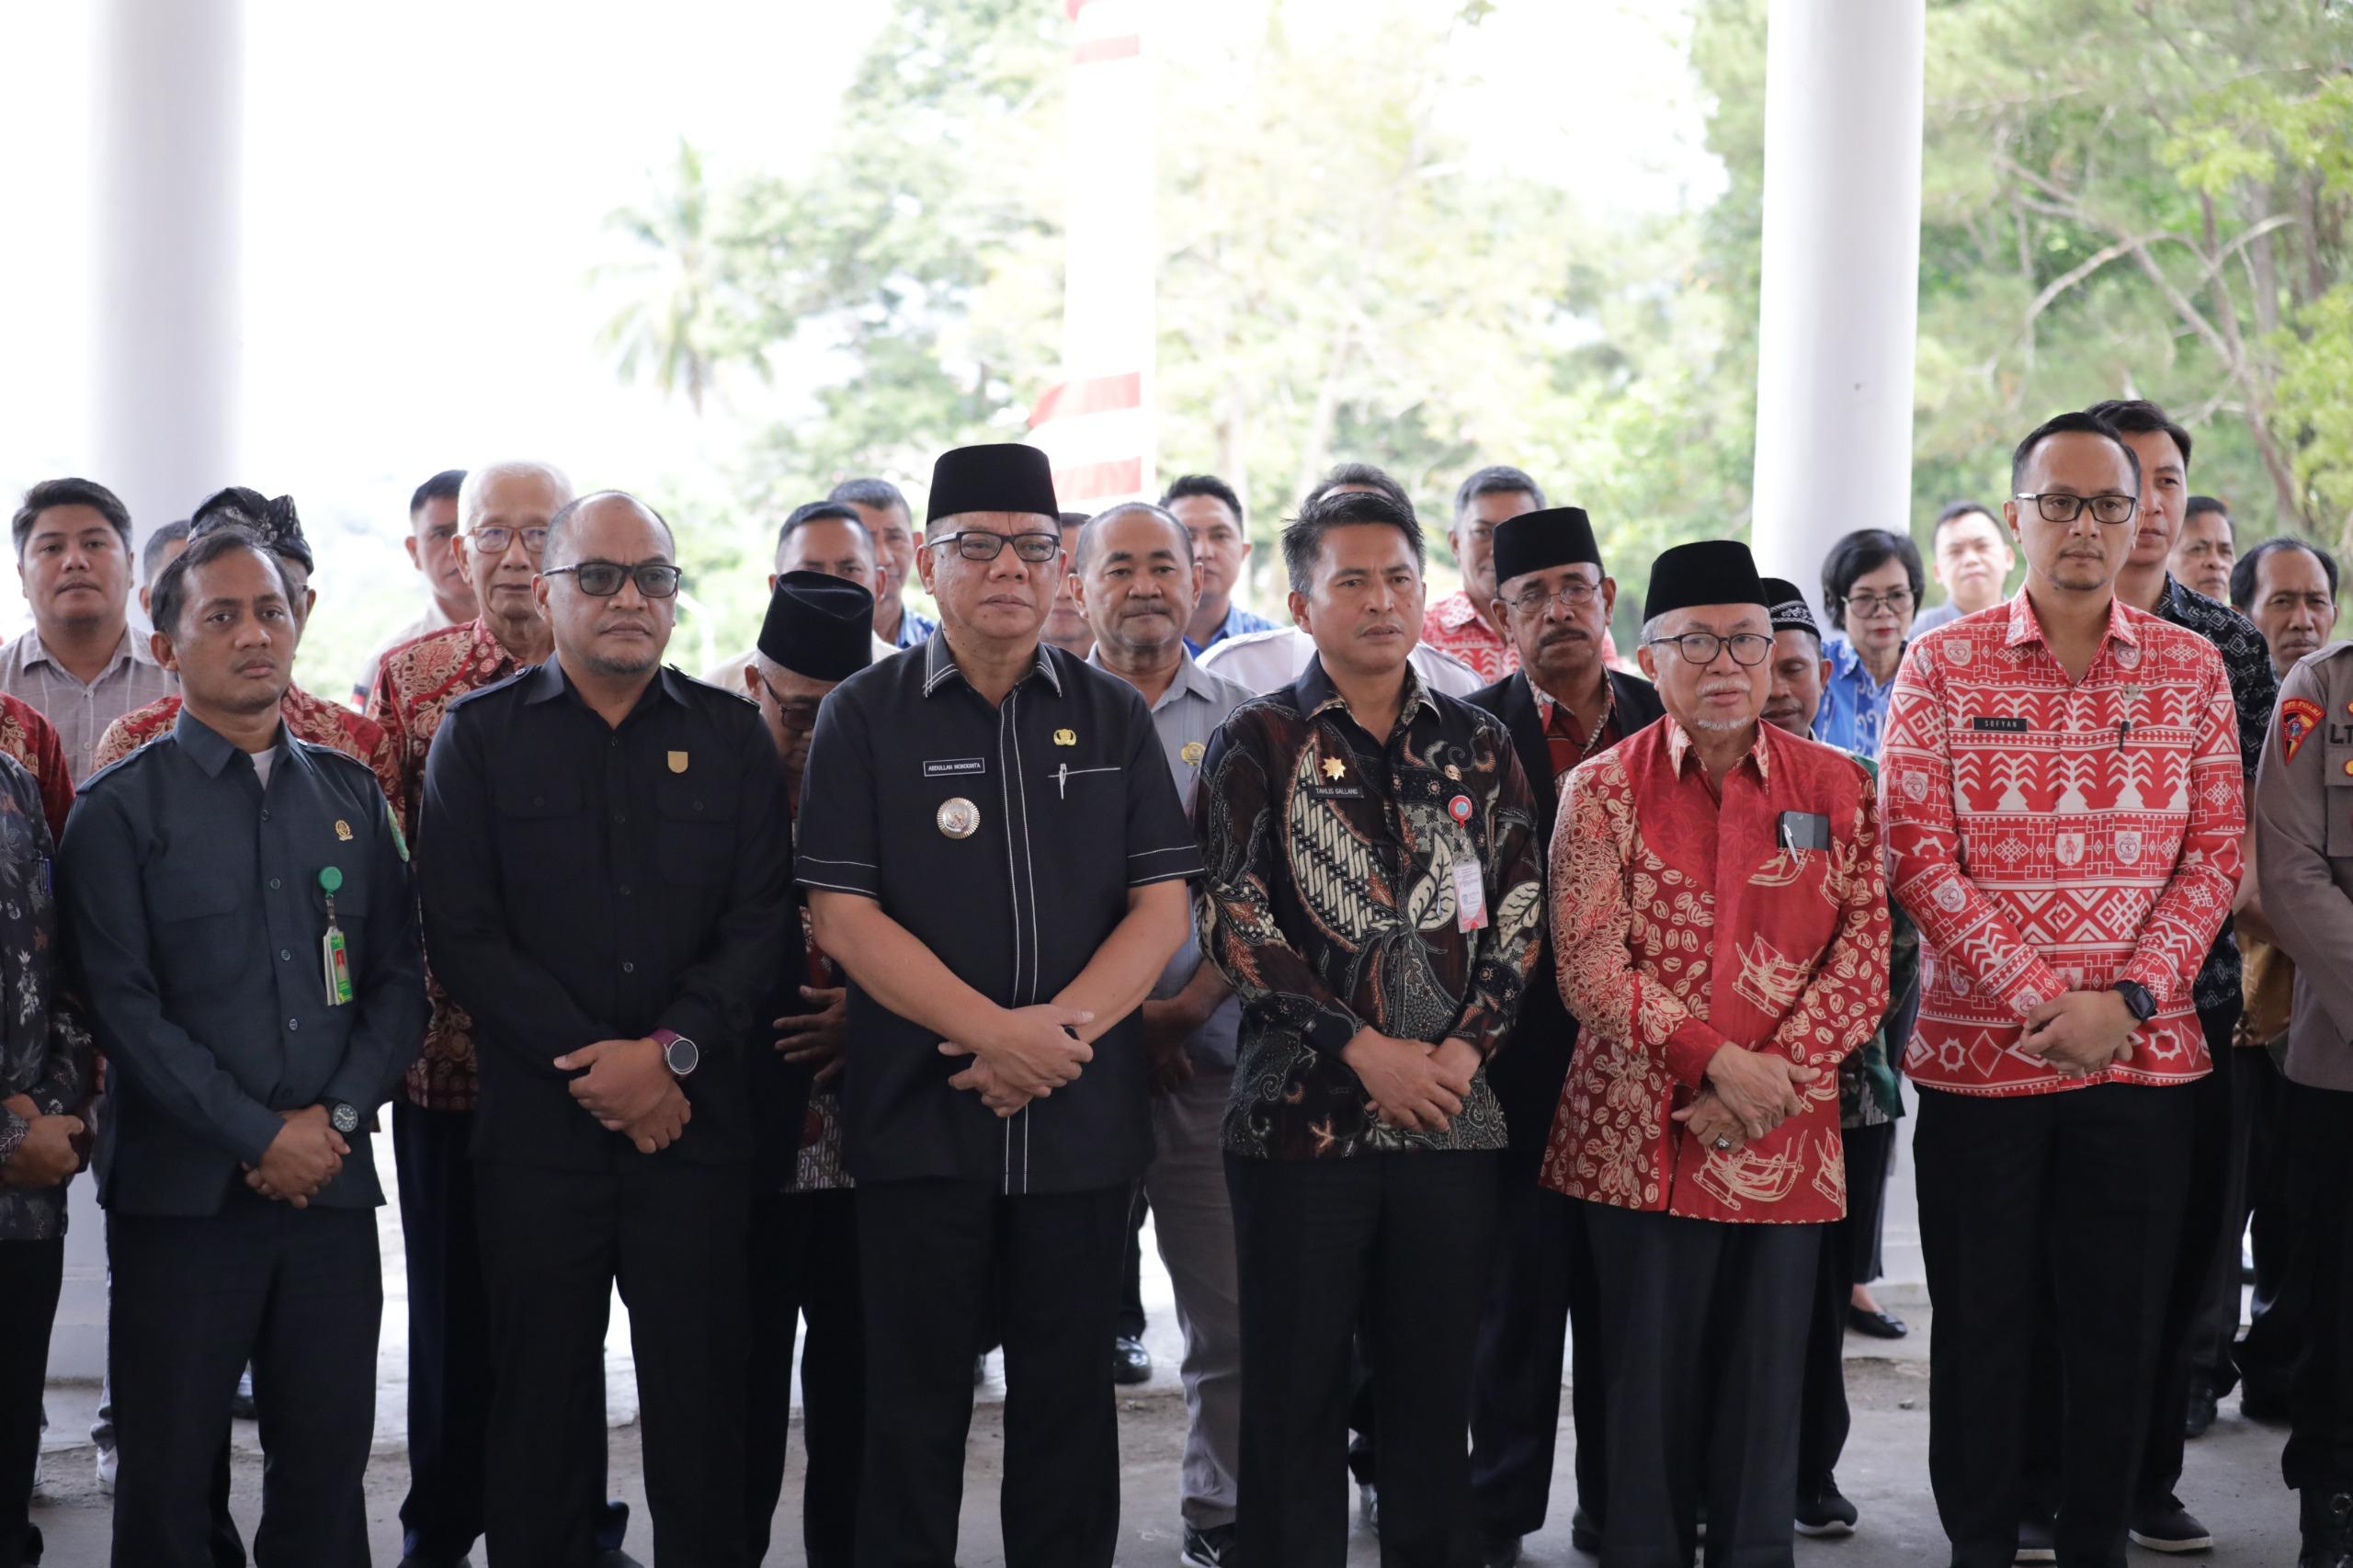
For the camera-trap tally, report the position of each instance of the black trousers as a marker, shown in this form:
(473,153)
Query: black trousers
(1400,1243)
(1540,1259)
(1128,1323)
(449,1365)
(1704,1327)
(298,1292)
(1847,1248)
(804,1265)
(2258,1192)
(2320,1140)
(555,1243)
(1044,1270)
(30,1275)
(2074,1197)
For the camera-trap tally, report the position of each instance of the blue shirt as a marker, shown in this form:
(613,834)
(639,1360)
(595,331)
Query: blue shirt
(914,628)
(1237,621)
(1854,707)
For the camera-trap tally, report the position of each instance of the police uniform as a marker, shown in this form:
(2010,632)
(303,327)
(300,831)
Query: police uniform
(585,881)
(199,899)
(2303,841)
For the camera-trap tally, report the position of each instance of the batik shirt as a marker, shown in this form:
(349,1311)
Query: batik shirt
(1854,705)
(307,718)
(2051,834)
(415,683)
(45,1050)
(1685,921)
(1332,902)
(32,739)
(1452,624)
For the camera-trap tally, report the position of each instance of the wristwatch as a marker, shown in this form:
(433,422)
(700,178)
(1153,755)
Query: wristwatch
(2136,996)
(344,1118)
(679,1053)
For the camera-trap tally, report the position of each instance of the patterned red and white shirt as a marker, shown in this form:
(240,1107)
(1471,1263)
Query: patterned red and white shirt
(2051,834)
(1681,925)
(306,718)
(415,683)
(1450,625)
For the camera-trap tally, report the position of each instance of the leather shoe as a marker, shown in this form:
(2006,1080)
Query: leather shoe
(1583,1535)
(1875,1325)
(617,1559)
(1499,1551)
(2200,1415)
(1130,1362)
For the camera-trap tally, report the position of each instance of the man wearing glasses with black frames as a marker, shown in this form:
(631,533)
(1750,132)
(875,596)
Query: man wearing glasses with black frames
(604,859)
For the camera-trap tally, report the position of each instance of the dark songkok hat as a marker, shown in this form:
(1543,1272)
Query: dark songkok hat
(1713,572)
(819,626)
(1785,602)
(1003,476)
(275,523)
(1534,540)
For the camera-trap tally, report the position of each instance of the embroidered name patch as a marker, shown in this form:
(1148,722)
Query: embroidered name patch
(2299,717)
(2007,724)
(956,767)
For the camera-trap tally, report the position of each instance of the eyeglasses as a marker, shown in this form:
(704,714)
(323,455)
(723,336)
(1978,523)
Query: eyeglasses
(798,714)
(603,579)
(1870,606)
(2058,507)
(1576,594)
(1750,648)
(494,541)
(979,544)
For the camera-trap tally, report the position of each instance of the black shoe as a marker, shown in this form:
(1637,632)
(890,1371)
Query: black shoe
(2036,1543)
(1583,1535)
(1130,1362)
(2328,1521)
(1875,1325)
(1212,1548)
(1822,1509)
(2169,1526)
(2264,1408)
(2200,1416)
(980,1369)
(617,1559)
(1498,1552)
(1368,1506)
(436,1563)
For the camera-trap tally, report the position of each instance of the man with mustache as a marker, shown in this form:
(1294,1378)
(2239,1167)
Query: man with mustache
(241,916)
(2062,789)
(1972,562)
(2208,544)
(1719,929)
(1464,622)
(891,526)
(1562,705)
(1137,575)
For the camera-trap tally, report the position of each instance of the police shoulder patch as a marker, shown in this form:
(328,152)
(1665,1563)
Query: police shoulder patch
(2299,717)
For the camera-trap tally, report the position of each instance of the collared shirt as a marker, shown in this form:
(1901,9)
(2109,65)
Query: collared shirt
(1186,716)
(914,628)
(2304,840)
(1567,740)
(414,685)
(307,718)
(81,713)
(1682,923)
(1238,622)
(1268,661)
(193,897)
(425,625)
(1453,625)
(2051,834)
(1065,806)
(1340,869)
(1854,705)
(2254,691)
(584,881)
(45,1050)
(32,739)
(1934,616)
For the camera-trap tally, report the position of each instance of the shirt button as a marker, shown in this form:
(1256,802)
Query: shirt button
(624,889)
(285,955)
(538,800)
(628,968)
(292,1024)
(273,883)
(621,816)
(265,816)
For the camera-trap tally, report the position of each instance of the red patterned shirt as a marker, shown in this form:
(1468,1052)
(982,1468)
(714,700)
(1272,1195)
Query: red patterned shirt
(2052,835)
(1679,926)
(32,739)
(415,683)
(1451,625)
(307,718)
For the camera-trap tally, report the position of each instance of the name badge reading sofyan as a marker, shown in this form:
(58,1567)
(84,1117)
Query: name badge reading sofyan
(959,817)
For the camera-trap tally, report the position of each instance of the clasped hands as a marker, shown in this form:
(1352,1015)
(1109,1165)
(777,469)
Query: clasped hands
(1413,1087)
(304,1156)
(1747,1095)
(2080,1032)
(1022,1054)
(52,1149)
(628,1088)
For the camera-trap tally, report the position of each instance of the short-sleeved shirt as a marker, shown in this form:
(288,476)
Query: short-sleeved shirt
(1452,624)
(1069,806)
(79,712)
(1187,715)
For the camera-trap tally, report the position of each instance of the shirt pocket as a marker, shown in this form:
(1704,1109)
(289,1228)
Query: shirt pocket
(695,827)
(2338,803)
(199,920)
(543,832)
(2153,769)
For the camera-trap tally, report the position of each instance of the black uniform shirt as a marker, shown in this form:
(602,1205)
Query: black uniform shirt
(192,897)
(583,882)
(1072,806)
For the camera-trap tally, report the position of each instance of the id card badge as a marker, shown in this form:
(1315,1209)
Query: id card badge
(337,959)
(1469,896)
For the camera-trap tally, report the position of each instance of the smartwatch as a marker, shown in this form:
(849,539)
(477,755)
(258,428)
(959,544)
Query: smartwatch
(344,1118)
(2136,996)
(679,1053)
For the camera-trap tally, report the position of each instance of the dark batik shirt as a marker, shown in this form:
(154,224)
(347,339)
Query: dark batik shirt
(44,1043)
(2255,690)
(1331,904)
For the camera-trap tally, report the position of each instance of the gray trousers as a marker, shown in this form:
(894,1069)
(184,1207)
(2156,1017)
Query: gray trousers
(1193,1219)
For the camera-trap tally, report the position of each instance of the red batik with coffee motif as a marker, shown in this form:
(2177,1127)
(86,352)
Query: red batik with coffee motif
(2051,834)
(1682,925)
(32,739)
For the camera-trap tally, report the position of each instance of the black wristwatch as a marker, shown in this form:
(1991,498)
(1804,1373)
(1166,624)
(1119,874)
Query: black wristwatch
(344,1118)
(2136,996)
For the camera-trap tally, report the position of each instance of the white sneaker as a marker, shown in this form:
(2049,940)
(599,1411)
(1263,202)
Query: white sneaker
(106,1472)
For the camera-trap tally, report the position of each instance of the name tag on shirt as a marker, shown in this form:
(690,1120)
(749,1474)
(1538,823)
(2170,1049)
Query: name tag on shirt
(956,767)
(1805,830)
(1469,896)
(2007,724)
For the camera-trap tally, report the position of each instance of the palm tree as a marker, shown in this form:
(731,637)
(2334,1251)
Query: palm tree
(678,326)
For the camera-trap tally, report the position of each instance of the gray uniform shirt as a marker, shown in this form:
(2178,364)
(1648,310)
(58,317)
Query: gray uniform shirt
(2303,850)
(1187,715)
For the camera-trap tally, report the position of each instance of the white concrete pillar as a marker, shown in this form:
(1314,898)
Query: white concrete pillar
(1841,278)
(166,307)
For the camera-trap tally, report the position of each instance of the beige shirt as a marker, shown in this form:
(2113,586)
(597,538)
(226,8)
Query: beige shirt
(81,713)
(2303,850)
